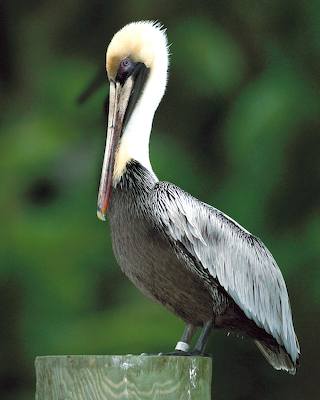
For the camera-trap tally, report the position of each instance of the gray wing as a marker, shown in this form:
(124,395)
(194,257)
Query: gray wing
(238,260)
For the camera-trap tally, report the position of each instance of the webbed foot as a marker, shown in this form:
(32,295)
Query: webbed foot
(176,353)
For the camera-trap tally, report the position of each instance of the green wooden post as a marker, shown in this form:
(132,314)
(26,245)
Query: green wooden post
(123,377)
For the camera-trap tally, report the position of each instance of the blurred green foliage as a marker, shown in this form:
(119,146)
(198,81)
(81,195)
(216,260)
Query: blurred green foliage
(238,128)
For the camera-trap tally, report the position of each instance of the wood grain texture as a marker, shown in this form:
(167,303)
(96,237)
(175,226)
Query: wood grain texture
(123,377)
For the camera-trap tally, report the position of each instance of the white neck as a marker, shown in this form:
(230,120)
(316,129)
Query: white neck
(134,144)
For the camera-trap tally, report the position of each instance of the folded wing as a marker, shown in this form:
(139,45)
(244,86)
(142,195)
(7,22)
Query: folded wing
(239,261)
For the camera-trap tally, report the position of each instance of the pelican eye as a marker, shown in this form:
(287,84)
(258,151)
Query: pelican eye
(126,68)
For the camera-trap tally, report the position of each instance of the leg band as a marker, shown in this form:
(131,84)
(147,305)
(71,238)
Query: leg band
(182,346)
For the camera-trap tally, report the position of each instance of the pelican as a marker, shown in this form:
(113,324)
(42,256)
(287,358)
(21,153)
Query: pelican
(185,254)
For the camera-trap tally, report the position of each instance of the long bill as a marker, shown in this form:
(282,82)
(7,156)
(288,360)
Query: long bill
(118,101)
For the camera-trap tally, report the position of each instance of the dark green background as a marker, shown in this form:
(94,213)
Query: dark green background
(238,128)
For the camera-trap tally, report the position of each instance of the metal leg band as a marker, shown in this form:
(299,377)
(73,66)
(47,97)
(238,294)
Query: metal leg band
(182,346)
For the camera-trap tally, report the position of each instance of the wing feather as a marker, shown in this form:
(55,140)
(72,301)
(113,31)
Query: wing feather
(239,261)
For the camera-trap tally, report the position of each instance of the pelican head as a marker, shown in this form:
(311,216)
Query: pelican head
(137,65)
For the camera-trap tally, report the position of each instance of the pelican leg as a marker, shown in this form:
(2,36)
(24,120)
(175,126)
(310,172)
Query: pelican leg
(183,345)
(203,338)
(184,342)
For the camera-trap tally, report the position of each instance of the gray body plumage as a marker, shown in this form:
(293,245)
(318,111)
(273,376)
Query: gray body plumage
(200,264)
